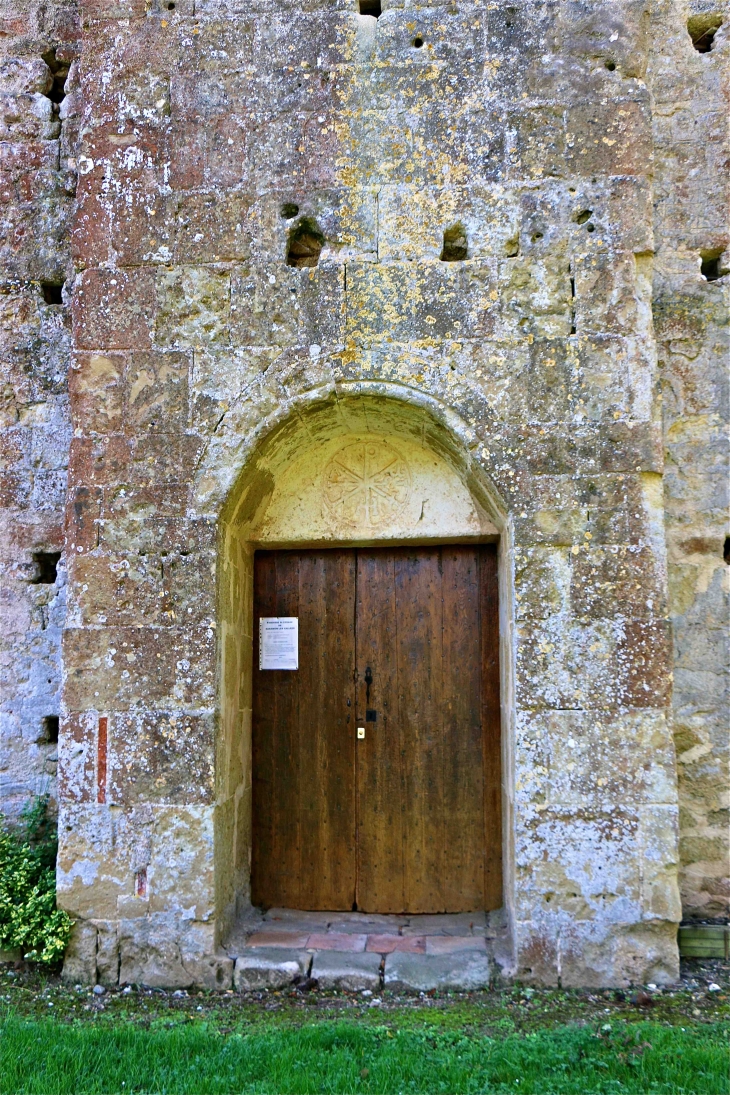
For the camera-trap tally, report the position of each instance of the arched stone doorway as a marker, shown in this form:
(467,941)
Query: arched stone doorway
(361,484)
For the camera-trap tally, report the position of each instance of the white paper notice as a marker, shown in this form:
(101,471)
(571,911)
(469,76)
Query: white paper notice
(278,642)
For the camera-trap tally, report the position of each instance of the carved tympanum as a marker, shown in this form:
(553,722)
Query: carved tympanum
(366,483)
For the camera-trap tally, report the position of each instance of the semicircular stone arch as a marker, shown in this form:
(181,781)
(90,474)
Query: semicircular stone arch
(362,465)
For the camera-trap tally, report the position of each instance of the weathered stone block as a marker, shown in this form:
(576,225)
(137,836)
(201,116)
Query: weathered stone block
(352,972)
(96,388)
(534,298)
(113,310)
(180,876)
(150,955)
(192,307)
(79,962)
(162,757)
(269,968)
(175,667)
(287,306)
(614,139)
(211,227)
(107,952)
(464,971)
(443,38)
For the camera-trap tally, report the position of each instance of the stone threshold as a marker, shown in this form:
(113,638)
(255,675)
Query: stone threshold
(361,952)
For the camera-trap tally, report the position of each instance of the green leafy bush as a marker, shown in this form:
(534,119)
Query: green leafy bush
(29,918)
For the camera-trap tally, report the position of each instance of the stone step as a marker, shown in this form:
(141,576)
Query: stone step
(352,972)
(464,971)
(269,968)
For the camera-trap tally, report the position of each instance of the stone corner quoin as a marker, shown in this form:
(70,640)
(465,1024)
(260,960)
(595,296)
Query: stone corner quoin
(242,244)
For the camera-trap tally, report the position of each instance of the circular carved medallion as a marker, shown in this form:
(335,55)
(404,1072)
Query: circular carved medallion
(366,483)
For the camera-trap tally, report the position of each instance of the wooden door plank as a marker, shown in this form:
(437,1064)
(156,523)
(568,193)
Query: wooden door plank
(326,728)
(419,615)
(380,790)
(491,725)
(264,720)
(463,817)
(276,844)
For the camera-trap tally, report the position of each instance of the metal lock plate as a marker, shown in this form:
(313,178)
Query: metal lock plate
(361,732)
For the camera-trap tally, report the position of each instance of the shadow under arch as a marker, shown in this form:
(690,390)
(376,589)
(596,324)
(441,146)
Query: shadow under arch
(304,483)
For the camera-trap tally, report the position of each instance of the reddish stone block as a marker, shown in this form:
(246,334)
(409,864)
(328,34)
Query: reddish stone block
(27,170)
(91,230)
(452,944)
(162,457)
(386,944)
(161,757)
(96,391)
(612,137)
(336,941)
(295,940)
(109,668)
(143,230)
(161,499)
(157,388)
(83,509)
(643,663)
(101,461)
(114,309)
(212,227)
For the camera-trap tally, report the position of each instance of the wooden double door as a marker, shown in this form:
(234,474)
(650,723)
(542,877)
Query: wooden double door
(403,644)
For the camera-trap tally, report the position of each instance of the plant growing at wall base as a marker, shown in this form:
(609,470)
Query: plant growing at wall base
(29,918)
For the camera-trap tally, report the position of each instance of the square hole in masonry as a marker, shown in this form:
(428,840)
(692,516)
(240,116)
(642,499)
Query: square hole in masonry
(702,30)
(52,293)
(711,266)
(46,567)
(49,730)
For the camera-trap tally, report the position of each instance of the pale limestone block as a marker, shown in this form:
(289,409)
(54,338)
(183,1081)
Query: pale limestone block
(595,758)
(659,834)
(462,972)
(181,871)
(79,962)
(352,972)
(150,953)
(618,955)
(215,971)
(107,952)
(269,968)
(92,870)
(578,863)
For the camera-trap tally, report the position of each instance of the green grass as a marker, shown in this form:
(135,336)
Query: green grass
(348,1056)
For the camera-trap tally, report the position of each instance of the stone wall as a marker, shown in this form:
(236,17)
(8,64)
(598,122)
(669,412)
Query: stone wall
(38,44)
(486,219)
(447,209)
(692,231)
